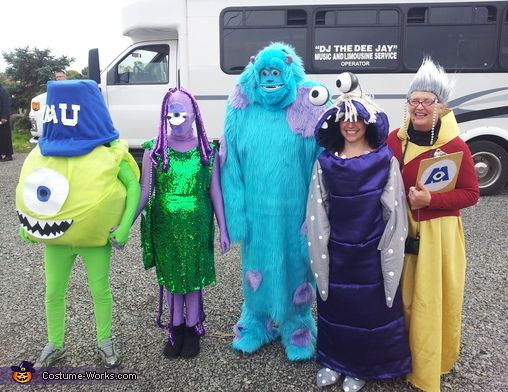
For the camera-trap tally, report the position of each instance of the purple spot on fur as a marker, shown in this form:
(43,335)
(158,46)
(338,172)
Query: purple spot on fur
(269,325)
(253,279)
(237,330)
(302,116)
(304,294)
(301,337)
(238,99)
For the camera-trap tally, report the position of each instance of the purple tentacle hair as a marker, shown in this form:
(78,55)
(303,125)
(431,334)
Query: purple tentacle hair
(161,144)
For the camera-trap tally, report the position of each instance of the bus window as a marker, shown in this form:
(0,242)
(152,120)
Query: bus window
(503,45)
(244,33)
(356,17)
(358,40)
(464,45)
(325,18)
(265,18)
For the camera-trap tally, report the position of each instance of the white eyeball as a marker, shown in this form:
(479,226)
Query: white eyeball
(319,95)
(45,191)
(347,82)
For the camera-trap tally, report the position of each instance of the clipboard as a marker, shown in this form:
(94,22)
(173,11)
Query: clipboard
(439,174)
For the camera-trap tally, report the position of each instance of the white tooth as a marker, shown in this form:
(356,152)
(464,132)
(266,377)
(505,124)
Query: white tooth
(324,126)
(31,220)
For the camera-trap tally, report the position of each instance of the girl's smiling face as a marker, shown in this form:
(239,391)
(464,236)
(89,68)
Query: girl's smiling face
(353,131)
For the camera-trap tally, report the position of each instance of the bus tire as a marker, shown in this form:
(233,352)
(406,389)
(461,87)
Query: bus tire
(491,166)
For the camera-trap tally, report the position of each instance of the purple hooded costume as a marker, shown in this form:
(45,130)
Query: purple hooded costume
(357,230)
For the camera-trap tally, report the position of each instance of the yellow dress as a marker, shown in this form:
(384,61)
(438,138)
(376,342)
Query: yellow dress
(432,295)
(433,284)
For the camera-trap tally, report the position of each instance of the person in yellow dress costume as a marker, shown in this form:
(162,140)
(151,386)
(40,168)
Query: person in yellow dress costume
(434,267)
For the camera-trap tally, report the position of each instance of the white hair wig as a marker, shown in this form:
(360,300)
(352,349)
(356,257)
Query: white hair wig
(432,78)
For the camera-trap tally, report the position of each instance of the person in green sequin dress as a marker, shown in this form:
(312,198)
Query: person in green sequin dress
(180,193)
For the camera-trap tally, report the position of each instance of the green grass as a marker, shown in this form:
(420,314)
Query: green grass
(20,140)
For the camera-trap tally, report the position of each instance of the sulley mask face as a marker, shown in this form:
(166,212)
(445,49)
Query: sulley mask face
(272,85)
(272,77)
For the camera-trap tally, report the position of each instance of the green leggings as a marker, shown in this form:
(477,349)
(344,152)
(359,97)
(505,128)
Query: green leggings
(58,261)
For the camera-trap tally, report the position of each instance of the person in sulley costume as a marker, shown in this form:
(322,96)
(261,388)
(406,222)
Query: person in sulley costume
(77,193)
(267,156)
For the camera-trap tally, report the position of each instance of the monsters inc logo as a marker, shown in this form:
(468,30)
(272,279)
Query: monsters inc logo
(52,114)
(439,175)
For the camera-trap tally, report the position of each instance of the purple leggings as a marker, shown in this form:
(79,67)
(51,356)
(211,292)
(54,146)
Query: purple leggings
(192,303)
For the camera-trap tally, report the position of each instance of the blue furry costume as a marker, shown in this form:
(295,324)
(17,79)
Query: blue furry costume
(267,155)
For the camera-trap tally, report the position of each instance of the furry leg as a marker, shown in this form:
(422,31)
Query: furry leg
(253,331)
(299,337)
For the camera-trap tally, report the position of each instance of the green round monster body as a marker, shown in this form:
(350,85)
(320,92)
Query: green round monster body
(73,201)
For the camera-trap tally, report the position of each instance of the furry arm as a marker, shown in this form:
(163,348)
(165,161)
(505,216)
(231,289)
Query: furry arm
(233,187)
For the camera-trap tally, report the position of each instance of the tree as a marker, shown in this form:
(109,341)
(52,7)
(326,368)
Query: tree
(73,74)
(30,69)
(84,72)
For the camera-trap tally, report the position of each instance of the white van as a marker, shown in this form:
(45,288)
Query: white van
(206,44)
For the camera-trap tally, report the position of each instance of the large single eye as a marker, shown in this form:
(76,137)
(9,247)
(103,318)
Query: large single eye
(177,118)
(319,95)
(45,191)
(347,82)
(275,72)
(265,72)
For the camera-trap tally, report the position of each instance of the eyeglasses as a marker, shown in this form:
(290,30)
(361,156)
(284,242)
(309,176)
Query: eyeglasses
(425,102)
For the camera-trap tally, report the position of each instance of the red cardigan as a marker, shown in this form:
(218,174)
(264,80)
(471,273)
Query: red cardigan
(466,192)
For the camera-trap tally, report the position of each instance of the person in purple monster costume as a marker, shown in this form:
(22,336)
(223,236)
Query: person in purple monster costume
(180,192)
(357,227)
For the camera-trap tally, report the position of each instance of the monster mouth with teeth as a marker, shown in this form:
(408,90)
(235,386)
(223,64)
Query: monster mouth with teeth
(329,119)
(44,229)
(272,87)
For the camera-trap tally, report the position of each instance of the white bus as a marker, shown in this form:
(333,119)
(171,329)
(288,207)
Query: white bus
(208,43)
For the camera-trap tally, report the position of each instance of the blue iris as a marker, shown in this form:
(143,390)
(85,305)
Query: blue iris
(43,193)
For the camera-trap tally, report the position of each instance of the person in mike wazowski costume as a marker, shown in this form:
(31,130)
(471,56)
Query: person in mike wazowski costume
(77,193)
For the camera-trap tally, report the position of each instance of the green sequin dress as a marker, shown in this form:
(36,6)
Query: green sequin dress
(182,227)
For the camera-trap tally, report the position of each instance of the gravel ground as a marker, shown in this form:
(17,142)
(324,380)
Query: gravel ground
(482,364)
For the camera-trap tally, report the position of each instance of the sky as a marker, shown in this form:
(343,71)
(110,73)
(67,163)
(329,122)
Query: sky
(67,28)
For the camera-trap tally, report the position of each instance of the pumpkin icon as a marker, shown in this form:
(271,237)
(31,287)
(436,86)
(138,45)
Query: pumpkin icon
(23,373)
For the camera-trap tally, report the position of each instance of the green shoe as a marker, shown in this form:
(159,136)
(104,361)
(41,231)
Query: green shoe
(50,354)
(109,356)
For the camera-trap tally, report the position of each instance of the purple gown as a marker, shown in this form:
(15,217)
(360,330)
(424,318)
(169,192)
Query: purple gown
(358,334)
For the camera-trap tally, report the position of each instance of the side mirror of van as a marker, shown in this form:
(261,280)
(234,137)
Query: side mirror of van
(94,71)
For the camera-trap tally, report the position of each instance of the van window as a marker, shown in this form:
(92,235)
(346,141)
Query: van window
(382,38)
(143,65)
(245,33)
(464,45)
(356,40)
(503,49)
